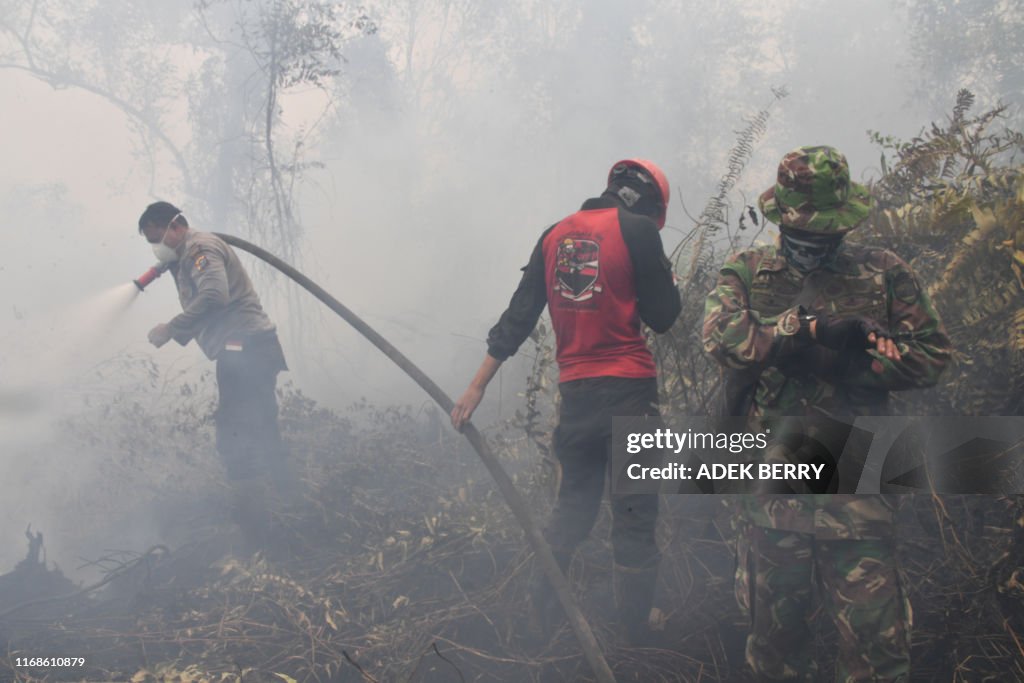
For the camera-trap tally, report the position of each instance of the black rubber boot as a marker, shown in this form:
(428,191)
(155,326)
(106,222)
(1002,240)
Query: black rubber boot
(251,511)
(634,597)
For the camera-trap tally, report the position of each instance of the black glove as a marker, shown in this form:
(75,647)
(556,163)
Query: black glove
(843,334)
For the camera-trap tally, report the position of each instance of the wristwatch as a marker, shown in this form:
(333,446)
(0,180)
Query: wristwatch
(805,325)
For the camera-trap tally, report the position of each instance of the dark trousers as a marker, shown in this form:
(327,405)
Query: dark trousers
(582,444)
(248,438)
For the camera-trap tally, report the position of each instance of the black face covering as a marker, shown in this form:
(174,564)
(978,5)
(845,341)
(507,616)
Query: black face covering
(635,197)
(809,252)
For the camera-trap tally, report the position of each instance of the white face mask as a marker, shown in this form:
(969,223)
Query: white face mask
(164,253)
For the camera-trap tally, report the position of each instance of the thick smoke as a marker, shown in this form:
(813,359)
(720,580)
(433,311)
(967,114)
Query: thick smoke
(421,169)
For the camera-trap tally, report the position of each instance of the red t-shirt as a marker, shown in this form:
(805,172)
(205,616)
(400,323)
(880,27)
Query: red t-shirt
(591,296)
(601,271)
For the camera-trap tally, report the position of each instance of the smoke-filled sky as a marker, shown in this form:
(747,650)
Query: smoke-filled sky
(452,138)
(446,141)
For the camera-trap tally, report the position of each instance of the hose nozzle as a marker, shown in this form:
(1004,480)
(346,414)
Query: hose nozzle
(150,275)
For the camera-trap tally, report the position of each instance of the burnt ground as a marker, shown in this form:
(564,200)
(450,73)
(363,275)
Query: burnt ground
(400,562)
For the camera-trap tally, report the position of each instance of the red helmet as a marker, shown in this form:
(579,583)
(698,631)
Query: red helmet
(647,172)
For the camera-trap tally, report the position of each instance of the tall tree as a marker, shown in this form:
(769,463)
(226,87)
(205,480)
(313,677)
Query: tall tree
(203,85)
(978,45)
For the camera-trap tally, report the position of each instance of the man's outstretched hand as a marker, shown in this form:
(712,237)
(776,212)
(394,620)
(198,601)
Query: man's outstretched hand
(465,406)
(474,393)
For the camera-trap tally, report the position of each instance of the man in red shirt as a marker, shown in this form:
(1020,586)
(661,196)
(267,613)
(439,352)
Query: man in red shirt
(600,272)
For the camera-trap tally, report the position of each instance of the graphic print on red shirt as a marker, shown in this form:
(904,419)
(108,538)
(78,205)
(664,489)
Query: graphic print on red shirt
(577,267)
(592,299)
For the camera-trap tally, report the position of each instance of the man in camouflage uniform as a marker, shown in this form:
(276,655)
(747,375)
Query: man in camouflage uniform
(816,327)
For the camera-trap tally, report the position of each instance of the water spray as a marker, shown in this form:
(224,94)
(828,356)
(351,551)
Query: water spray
(153,273)
(585,636)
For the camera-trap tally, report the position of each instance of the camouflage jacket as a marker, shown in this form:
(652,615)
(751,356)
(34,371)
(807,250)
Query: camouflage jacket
(750,325)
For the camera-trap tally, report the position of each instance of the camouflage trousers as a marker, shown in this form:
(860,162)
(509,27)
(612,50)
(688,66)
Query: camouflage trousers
(858,582)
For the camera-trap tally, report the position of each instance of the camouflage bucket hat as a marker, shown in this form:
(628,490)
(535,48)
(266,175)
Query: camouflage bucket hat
(814,193)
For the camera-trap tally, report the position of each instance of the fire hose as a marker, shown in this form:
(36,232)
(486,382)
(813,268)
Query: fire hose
(588,643)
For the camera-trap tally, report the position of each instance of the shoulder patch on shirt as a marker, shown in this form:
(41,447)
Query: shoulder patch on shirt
(201,262)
